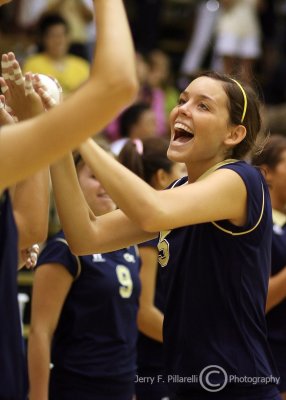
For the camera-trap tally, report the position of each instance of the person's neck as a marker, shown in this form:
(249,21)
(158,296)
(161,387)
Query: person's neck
(56,57)
(197,169)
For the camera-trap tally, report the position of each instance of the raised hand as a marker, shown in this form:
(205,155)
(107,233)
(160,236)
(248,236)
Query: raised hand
(30,256)
(20,96)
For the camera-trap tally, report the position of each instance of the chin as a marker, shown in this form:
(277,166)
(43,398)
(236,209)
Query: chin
(176,156)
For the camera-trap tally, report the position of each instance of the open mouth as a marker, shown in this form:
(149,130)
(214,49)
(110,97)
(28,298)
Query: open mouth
(182,133)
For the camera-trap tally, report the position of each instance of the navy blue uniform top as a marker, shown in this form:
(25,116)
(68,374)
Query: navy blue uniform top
(276,317)
(97,332)
(216,277)
(150,351)
(12,371)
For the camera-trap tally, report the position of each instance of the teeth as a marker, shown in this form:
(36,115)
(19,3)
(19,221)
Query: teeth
(179,125)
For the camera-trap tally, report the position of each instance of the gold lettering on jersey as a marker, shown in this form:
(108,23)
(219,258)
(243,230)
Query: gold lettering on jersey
(125,280)
(163,249)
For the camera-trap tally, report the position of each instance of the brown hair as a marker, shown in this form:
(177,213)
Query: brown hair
(271,154)
(252,119)
(153,157)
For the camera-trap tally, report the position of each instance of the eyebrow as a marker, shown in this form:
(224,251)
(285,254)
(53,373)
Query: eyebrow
(200,96)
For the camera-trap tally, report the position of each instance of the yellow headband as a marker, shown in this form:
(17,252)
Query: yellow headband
(245,99)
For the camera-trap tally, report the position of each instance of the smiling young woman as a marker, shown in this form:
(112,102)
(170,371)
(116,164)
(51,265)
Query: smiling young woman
(215,228)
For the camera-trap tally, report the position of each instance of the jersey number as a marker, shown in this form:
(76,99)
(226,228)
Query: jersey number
(163,249)
(125,280)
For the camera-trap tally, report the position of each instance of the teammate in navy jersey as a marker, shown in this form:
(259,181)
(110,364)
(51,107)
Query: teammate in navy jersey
(215,240)
(84,312)
(12,367)
(29,146)
(148,159)
(272,162)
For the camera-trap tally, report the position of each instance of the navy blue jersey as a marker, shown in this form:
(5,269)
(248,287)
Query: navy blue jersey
(216,276)
(95,340)
(150,359)
(12,371)
(276,317)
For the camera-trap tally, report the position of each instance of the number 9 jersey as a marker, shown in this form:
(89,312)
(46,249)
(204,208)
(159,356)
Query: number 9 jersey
(95,340)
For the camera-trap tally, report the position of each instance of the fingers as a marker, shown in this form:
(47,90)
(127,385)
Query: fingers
(3,85)
(32,256)
(17,73)
(11,73)
(29,89)
(48,101)
(5,117)
(2,102)
(42,91)
(5,65)
(5,73)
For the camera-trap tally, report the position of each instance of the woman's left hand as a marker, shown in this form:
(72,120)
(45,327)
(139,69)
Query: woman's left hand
(20,96)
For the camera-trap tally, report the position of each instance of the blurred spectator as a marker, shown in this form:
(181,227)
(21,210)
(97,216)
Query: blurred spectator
(153,96)
(29,13)
(136,122)
(54,58)
(238,37)
(161,76)
(201,38)
(79,16)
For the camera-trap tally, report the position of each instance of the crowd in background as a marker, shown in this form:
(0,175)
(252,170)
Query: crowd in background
(246,37)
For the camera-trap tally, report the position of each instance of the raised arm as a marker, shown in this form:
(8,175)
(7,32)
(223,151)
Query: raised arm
(86,233)
(29,146)
(222,195)
(30,197)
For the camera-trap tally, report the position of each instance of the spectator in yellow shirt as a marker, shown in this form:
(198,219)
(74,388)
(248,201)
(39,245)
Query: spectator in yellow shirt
(54,58)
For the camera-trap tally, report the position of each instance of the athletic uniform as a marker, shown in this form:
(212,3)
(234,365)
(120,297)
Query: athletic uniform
(276,316)
(150,353)
(12,361)
(216,276)
(94,345)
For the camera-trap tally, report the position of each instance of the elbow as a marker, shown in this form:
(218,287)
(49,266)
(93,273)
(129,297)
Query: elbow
(81,248)
(142,319)
(78,249)
(131,89)
(127,88)
(152,222)
(128,94)
(35,234)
